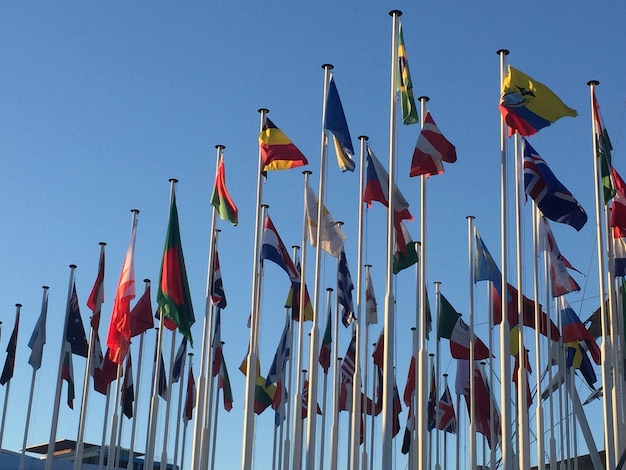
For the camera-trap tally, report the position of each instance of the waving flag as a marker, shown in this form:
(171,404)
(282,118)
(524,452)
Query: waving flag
(305,401)
(220,199)
(405,85)
(277,150)
(447,418)
(452,327)
(603,149)
(562,282)
(218,296)
(96,297)
(9,363)
(293,302)
(274,250)
(574,330)
(224,384)
(618,208)
(485,268)
(38,337)
(528,106)
(331,235)
(282,355)
(75,331)
(431,150)
(216,345)
(552,198)
(405,251)
(179,360)
(67,373)
(161,378)
(141,317)
(344,291)
(335,122)
(577,358)
(128,391)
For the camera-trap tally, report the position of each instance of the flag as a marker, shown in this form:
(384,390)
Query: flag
(371,311)
(263,396)
(335,122)
(218,296)
(377,188)
(379,348)
(223,382)
(577,358)
(552,198)
(9,363)
(603,149)
(431,150)
(561,281)
(67,373)
(190,398)
(96,297)
(106,374)
(447,418)
(347,364)
(75,332)
(273,249)
(38,337)
(516,366)
(220,199)
(452,327)
(141,318)
(528,106)
(161,378)
(325,352)
(179,360)
(128,391)
(293,301)
(282,355)
(305,401)
(432,401)
(409,387)
(397,409)
(173,296)
(344,291)
(277,150)
(618,208)
(405,252)
(485,268)
(216,345)
(405,86)
(574,330)
(410,427)
(118,339)
(330,233)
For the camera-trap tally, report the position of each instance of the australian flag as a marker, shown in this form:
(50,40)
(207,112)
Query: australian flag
(344,291)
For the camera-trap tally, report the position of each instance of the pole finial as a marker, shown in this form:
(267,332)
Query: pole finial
(307,172)
(502,52)
(328,67)
(135,211)
(45,287)
(72,266)
(395,13)
(102,243)
(593,83)
(263,111)
(470,217)
(364,137)
(147,281)
(173,180)
(220,147)
(425,99)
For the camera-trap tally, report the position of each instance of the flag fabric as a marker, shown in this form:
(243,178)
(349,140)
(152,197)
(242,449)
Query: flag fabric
(279,402)
(223,383)
(574,330)
(377,188)
(220,199)
(405,85)
(305,401)
(485,268)
(379,348)
(273,249)
(293,301)
(118,339)
(282,355)
(347,364)
(162,378)
(141,317)
(277,150)
(9,363)
(452,327)
(173,296)
(96,297)
(409,387)
(561,281)
(618,208)
(431,150)
(552,198)
(335,122)
(405,251)
(410,427)
(128,391)
(190,397)
(331,235)
(67,373)
(397,409)
(577,358)
(75,331)
(216,345)
(179,361)
(38,337)
(528,370)
(432,401)
(447,418)
(344,291)
(325,349)
(619,257)
(263,396)
(528,106)
(104,375)
(371,310)
(603,149)
(218,296)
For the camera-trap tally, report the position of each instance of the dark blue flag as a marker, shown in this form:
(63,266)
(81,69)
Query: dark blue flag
(9,364)
(344,291)
(75,332)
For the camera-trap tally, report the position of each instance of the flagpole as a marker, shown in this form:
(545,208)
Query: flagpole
(364,459)
(329,291)
(389,321)
(8,384)
(287,439)
(185,420)
(372,421)
(216,412)
(253,354)
(334,427)
(445,433)
(472,410)
(607,382)
(179,412)
(114,420)
(168,403)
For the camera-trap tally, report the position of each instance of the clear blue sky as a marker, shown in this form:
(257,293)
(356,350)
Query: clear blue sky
(102,103)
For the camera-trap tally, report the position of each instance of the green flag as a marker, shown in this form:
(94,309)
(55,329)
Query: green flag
(405,86)
(603,149)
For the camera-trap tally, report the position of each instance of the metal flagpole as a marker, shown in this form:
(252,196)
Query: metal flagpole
(445,433)
(329,291)
(287,439)
(389,321)
(8,384)
(216,415)
(105,423)
(57,394)
(185,420)
(179,413)
(336,361)
(472,359)
(114,419)
(168,403)
(253,352)
(154,400)
(372,421)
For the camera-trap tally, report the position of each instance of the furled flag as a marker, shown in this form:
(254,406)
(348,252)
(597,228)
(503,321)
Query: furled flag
(397,409)
(216,345)
(618,208)
(325,352)
(9,363)
(574,330)
(118,339)
(75,331)
(223,382)
(431,150)
(128,391)
(447,418)
(218,296)
(305,401)
(432,401)
(94,302)
(561,281)
(331,235)
(220,199)
(179,361)
(161,378)
(409,387)
(452,327)
(67,373)
(485,268)
(141,317)
(190,398)
(344,291)
(335,122)
(528,106)
(277,150)
(405,252)
(173,296)
(273,249)
(38,337)
(552,198)
(377,188)
(282,355)
(408,430)
(405,86)
(603,149)
(371,309)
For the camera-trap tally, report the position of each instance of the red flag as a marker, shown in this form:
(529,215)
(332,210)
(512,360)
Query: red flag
(305,401)
(431,150)
(618,209)
(105,375)
(96,297)
(141,318)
